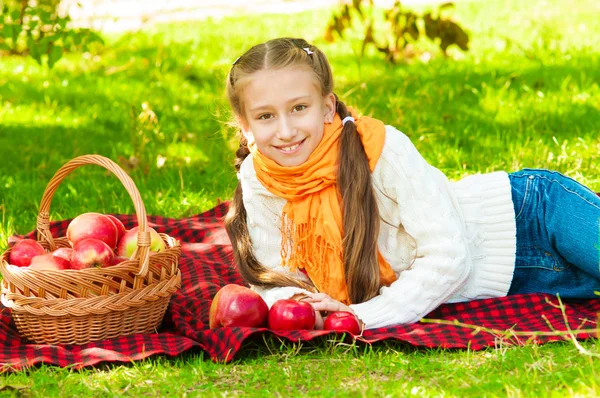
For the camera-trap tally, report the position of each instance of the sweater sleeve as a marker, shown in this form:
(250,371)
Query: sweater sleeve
(428,214)
(263,219)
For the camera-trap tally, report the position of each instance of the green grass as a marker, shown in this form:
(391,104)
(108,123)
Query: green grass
(328,369)
(526,95)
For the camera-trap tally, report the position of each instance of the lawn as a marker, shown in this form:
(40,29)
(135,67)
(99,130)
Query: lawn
(527,94)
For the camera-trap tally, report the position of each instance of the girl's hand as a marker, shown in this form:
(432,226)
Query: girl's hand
(318,321)
(323,303)
(318,317)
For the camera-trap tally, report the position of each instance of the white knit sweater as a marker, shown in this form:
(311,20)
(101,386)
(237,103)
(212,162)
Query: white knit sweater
(446,242)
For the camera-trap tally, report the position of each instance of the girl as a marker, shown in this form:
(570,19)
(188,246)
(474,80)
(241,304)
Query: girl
(342,211)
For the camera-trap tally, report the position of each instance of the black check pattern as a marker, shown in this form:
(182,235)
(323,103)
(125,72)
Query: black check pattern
(206,264)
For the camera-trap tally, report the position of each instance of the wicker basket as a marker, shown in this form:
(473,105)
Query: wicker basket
(79,306)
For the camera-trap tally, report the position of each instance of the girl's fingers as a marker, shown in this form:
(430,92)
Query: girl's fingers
(320,296)
(331,306)
(308,299)
(312,299)
(318,321)
(326,305)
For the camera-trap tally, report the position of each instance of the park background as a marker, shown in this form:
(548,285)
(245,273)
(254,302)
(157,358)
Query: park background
(525,94)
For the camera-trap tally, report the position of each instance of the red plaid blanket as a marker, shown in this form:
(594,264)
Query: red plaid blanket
(206,265)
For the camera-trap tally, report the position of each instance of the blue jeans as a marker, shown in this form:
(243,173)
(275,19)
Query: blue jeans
(558,235)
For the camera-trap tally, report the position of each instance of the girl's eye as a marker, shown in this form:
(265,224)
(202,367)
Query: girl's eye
(265,116)
(299,108)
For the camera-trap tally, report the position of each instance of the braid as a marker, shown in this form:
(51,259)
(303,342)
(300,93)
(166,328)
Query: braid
(360,214)
(241,153)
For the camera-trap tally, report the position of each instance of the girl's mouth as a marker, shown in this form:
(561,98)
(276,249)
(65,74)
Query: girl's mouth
(291,148)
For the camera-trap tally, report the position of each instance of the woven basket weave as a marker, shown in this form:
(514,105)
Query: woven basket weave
(79,306)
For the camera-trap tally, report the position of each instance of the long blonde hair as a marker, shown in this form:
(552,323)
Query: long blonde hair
(359,206)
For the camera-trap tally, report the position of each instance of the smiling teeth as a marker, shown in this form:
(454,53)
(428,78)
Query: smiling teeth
(290,148)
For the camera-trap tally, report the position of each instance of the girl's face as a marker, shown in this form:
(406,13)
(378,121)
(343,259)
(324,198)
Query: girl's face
(284,114)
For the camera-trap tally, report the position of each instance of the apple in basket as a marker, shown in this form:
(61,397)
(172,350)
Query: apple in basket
(63,252)
(119,260)
(342,321)
(24,251)
(288,314)
(120,227)
(90,253)
(236,305)
(128,242)
(49,262)
(93,225)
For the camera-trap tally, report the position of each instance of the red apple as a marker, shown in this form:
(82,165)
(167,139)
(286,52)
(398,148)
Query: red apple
(291,314)
(236,305)
(91,253)
(342,321)
(63,252)
(128,242)
(120,227)
(119,259)
(49,262)
(92,225)
(23,251)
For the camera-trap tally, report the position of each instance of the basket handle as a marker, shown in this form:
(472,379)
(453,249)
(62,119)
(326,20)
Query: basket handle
(43,221)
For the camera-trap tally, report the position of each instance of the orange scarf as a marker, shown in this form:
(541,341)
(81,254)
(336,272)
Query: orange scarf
(312,217)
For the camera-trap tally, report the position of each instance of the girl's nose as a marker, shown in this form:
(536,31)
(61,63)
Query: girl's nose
(286,129)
